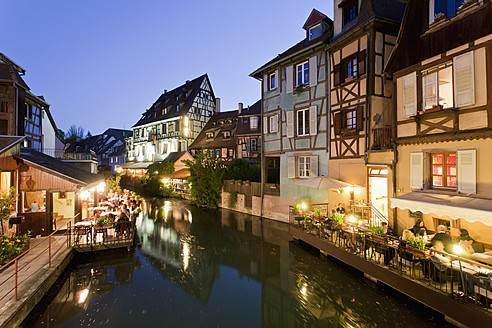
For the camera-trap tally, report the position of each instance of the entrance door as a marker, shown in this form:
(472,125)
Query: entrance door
(378,194)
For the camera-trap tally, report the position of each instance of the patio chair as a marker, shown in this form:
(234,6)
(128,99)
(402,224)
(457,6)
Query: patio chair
(81,232)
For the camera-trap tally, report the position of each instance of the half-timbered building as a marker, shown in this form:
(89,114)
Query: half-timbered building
(173,122)
(442,69)
(248,132)
(294,111)
(360,145)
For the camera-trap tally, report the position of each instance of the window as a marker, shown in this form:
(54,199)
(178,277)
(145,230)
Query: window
(6,181)
(351,119)
(272,81)
(217,153)
(34,201)
(350,11)
(177,107)
(447,7)
(350,68)
(437,86)
(443,170)
(304,166)
(4,107)
(273,122)
(253,123)
(176,126)
(254,144)
(230,152)
(303,122)
(164,128)
(302,76)
(210,135)
(164,148)
(226,134)
(315,31)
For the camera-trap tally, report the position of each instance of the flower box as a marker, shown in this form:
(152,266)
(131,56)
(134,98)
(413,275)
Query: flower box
(379,239)
(465,7)
(434,109)
(417,251)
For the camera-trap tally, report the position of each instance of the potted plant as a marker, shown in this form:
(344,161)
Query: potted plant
(300,89)
(378,234)
(416,246)
(247,182)
(438,19)
(239,182)
(466,5)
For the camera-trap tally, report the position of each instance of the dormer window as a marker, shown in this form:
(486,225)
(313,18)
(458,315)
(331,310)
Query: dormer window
(350,11)
(315,31)
(164,111)
(227,134)
(177,107)
(210,135)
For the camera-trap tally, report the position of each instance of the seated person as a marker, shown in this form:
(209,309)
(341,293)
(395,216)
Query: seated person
(419,228)
(340,209)
(441,262)
(443,237)
(406,234)
(466,245)
(463,233)
(386,229)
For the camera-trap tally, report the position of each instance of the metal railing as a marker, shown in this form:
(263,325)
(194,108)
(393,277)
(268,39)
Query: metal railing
(367,212)
(63,155)
(91,235)
(46,251)
(457,276)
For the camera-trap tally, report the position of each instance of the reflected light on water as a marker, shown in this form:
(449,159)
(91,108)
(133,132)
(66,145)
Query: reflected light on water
(83,295)
(186,255)
(167,209)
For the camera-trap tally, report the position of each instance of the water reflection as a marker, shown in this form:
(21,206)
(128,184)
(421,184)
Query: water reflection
(199,268)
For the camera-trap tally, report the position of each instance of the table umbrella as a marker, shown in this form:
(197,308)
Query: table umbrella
(323,182)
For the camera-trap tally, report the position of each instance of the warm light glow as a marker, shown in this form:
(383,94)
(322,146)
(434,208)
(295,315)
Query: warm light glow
(304,290)
(186,255)
(85,194)
(167,209)
(457,249)
(303,206)
(348,189)
(166,181)
(352,219)
(186,131)
(83,295)
(186,121)
(100,187)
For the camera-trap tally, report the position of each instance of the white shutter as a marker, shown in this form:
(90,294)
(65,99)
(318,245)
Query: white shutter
(265,83)
(313,71)
(290,124)
(464,80)
(289,75)
(224,152)
(277,123)
(291,170)
(265,124)
(410,95)
(416,170)
(277,79)
(313,120)
(313,170)
(467,171)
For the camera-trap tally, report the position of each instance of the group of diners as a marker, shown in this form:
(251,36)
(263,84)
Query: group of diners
(114,211)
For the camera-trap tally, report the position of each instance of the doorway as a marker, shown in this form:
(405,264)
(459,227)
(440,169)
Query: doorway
(378,189)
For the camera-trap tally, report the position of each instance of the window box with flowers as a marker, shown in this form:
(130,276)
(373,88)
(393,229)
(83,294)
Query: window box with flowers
(467,5)
(439,18)
(433,109)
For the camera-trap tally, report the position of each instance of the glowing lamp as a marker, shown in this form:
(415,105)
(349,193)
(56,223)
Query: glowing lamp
(457,249)
(352,219)
(303,206)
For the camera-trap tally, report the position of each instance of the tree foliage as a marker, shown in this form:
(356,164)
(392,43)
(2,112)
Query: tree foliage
(73,133)
(7,205)
(206,175)
(152,181)
(113,182)
(240,169)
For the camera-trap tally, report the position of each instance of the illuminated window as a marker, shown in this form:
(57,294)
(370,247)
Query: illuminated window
(437,85)
(443,170)
(304,166)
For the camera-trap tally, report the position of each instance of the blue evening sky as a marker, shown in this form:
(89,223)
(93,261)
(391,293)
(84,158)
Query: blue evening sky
(101,63)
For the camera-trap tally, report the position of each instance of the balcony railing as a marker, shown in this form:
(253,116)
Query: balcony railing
(382,138)
(63,155)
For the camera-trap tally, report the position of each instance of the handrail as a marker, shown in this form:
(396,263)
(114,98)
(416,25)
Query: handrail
(375,216)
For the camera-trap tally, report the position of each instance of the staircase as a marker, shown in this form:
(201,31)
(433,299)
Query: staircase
(368,213)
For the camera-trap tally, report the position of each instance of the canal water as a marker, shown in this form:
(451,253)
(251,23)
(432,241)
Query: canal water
(217,268)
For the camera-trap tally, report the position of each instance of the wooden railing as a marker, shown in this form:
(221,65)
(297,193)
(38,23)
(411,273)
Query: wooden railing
(382,138)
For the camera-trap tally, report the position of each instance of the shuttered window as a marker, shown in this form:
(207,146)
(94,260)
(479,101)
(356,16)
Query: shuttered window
(417,170)
(289,79)
(313,71)
(290,124)
(313,120)
(303,122)
(467,171)
(349,121)
(443,170)
(410,94)
(291,167)
(464,80)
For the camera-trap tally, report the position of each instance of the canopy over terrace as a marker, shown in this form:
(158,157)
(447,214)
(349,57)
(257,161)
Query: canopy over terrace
(471,209)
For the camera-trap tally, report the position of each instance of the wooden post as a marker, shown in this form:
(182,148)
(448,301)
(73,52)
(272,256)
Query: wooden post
(16,279)
(49,250)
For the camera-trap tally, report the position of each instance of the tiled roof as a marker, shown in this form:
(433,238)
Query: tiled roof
(55,165)
(183,95)
(244,128)
(218,123)
(252,110)
(8,72)
(102,143)
(174,156)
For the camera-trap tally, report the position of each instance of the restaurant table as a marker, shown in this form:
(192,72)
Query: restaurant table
(84,223)
(116,213)
(482,257)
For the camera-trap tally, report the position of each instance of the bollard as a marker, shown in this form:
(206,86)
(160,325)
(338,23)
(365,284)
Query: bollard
(16,280)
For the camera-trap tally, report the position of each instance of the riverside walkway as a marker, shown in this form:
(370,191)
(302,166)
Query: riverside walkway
(23,287)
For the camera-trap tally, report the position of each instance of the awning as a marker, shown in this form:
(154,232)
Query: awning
(136,165)
(180,174)
(471,209)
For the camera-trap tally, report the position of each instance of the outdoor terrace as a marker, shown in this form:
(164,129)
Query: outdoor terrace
(459,288)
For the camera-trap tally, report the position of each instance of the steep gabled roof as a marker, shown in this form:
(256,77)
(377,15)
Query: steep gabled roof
(314,18)
(254,109)
(301,46)
(174,156)
(58,167)
(183,95)
(101,143)
(218,124)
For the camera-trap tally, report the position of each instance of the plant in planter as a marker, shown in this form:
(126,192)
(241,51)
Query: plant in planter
(339,218)
(438,18)
(233,199)
(7,205)
(378,234)
(239,182)
(300,89)
(467,4)
(10,247)
(416,246)
(317,212)
(247,183)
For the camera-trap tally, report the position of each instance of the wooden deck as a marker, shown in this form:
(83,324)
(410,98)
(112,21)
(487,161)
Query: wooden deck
(100,239)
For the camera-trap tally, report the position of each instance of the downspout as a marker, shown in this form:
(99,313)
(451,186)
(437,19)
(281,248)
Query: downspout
(369,84)
(395,160)
(263,149)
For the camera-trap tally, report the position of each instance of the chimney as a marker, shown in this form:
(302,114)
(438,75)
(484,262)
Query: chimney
(217,105)
(165,91)
(239,108)
(187,81)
